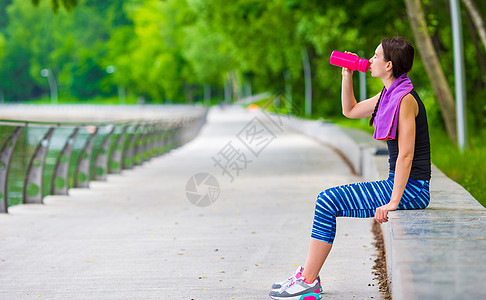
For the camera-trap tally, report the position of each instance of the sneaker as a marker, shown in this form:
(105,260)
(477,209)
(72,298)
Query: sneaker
(298,289)
(277,286)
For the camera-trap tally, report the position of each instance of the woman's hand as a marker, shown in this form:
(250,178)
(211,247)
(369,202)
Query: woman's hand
(381,213)
(348,72)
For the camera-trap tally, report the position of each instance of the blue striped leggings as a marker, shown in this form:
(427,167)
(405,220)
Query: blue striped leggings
(360,200)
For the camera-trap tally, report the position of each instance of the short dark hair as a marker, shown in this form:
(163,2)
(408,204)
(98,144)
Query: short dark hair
(400,52)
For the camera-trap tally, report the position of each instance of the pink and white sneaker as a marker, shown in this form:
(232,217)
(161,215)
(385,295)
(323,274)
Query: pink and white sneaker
(298,289)
(277,286)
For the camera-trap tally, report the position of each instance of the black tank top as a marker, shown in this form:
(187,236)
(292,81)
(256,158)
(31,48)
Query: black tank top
(421,158)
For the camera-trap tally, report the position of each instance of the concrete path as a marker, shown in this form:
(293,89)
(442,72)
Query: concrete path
(137,236)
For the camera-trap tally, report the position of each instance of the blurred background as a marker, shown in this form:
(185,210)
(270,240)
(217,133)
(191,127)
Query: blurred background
(214,51)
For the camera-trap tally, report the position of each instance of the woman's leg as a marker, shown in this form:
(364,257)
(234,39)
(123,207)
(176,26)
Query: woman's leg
(318,251)
(353,200)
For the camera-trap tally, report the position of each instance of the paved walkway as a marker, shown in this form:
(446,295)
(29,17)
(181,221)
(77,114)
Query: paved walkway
(136,236)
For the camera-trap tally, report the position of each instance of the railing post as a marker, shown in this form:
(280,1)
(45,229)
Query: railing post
(138,154)
(146,143)
(155,139)
(115,165)
(185,131)
(173,135)
(152,143)
(81,176)
(159,141)
(177,134)
(169,137)
(101,164)
(165,138)
(129,153)
(151,140)
(33,179)
(5,157)
(60,177)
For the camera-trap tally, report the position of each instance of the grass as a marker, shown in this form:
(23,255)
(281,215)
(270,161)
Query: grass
(465,168)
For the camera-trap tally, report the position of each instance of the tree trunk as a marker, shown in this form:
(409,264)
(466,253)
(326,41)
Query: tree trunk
(432,65)
(207,94)
(235,87)
(308,81)
(227,89)
(288,91)
(477,19)
(481,60)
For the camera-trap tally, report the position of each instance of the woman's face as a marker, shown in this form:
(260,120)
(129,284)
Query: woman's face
(378,65)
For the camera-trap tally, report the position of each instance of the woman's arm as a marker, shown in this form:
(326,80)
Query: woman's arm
(406,149)
(351,108)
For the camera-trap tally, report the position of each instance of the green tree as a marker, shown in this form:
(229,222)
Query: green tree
(2,47)
(67,4)
(72,45)
(171,49)
(157,66)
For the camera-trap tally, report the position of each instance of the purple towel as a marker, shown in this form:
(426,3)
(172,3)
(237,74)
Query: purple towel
(386,120)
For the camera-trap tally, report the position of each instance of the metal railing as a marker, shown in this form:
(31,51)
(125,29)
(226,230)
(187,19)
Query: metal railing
(48,158)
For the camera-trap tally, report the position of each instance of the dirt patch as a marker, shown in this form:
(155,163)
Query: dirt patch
(380,262)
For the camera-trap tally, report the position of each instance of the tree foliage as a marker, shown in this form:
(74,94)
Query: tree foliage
(67,4)
(169,50)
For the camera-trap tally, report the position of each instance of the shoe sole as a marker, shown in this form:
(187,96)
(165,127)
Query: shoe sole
(308,296)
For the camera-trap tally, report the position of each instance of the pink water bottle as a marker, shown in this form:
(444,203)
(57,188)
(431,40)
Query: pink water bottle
(349,61)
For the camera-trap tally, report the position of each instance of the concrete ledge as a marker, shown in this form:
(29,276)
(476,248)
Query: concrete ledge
(436,253)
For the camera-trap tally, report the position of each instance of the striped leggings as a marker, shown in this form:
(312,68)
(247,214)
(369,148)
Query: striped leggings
(360,200)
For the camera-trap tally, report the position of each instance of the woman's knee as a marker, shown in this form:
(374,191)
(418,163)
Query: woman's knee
(322,197)
(325,202)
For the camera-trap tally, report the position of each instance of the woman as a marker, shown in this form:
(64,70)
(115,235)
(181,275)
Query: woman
(399,118)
